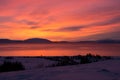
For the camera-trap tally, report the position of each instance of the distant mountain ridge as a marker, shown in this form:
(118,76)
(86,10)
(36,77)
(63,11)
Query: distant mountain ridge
(108,41)
(41,40)
(37,40)
(31,40)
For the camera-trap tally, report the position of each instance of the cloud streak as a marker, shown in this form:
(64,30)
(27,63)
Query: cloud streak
(43,18)
(66,29)
(6,19)
(114,20)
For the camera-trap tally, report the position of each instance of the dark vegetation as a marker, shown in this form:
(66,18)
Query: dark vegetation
(74,60)
(9,58)
(11,66)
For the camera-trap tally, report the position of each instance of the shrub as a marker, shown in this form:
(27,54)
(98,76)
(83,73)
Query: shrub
(9,57)
(11,66)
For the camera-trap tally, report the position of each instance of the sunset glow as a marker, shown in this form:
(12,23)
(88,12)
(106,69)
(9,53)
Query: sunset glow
(58,20)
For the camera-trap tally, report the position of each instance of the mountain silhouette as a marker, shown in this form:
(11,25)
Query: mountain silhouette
(31,40)
(108,41)
(37,40)
(41,40)
(5,41)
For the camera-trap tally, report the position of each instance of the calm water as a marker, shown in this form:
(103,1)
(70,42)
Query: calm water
(59,49)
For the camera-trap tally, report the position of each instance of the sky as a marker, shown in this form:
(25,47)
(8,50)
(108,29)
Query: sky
(60,20)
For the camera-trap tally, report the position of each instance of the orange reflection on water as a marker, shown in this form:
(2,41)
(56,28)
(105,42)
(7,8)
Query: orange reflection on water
(59,49)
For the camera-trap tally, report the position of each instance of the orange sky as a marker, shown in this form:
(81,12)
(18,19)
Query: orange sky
(60,19)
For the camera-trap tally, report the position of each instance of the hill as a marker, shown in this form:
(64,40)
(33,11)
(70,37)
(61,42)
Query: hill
(31,40)
(37,40)
(108,41)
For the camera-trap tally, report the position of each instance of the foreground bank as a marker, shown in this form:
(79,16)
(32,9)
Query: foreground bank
(103,70)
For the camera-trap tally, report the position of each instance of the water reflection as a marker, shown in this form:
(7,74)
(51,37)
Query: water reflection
(58,49)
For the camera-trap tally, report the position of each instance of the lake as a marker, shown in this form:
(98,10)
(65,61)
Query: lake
(57,49)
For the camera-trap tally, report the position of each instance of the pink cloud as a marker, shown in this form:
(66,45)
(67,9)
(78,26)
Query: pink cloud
(41,15)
